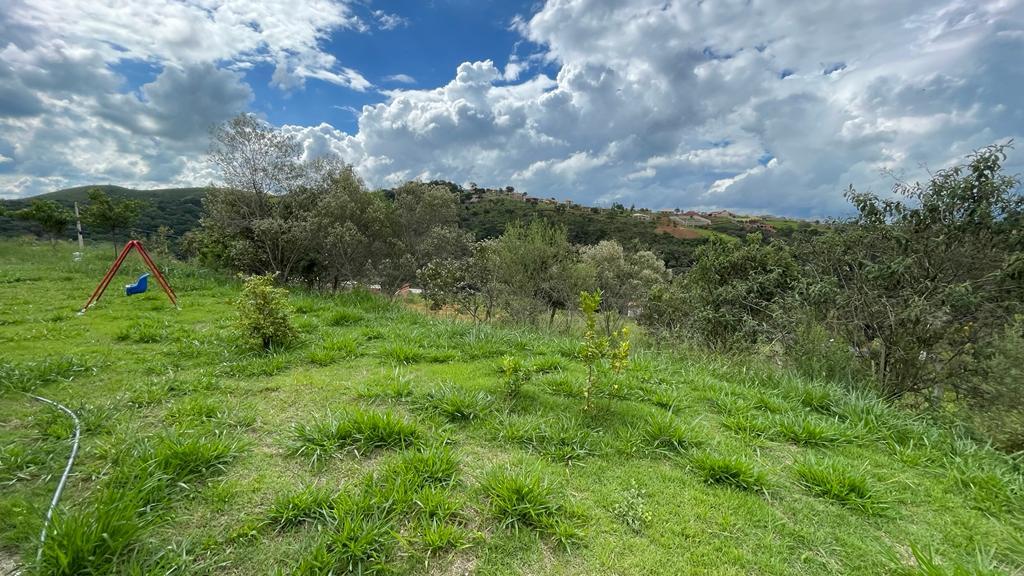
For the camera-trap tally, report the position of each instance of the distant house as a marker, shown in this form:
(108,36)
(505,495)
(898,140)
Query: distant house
(695,220)
(721,214)
(641,216)
(758,225)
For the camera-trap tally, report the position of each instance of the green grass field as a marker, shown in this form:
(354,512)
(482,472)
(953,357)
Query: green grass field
(385,442)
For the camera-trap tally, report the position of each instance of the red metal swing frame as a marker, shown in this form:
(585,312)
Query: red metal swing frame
(132,244)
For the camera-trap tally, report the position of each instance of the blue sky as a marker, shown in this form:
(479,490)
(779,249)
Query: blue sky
(765,106)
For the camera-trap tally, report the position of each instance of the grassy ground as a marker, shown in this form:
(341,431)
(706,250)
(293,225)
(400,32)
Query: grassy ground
(386,441)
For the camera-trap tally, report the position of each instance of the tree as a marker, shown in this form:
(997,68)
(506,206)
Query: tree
(922,281)
(736,293)
(538,269)
(623,279)
(53,218)
(254,156)
(105,213)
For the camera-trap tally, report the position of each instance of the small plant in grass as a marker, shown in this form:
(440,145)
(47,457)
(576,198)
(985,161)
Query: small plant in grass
(729,471)
(600,354)
(264,316)
(455,403)
(632,509)
(520,497)
(515,374)
(309,504)
(927,564)
(360,430)
(829,479)
(400,353)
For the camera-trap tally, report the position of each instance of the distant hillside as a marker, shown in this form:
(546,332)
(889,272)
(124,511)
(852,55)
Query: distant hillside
(484,212)
(176,208)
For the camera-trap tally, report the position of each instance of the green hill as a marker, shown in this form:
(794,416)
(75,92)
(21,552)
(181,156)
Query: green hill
(485,213)
(177,208)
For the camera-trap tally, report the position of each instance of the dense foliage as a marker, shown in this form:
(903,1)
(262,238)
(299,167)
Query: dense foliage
(915,295)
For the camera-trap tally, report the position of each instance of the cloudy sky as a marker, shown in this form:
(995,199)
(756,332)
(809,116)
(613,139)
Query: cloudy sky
(756,105)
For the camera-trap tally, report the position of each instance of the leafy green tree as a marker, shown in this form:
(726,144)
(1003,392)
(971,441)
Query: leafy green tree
(51,217)
(538,269)
(921,281)
(735,295)
(110,215)
(624,280)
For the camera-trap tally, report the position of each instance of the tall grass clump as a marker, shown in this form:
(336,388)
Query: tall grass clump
(360,545)
(25,376)
(435,465)
(561,438)
(828,478)
(808,431)
(188,457)
(307,505)
(662,432)
(455,403)
(926,563)
(359,430)
(729,470)
(520,497)
(98,538)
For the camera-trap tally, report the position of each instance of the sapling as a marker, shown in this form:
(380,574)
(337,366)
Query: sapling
(601,353)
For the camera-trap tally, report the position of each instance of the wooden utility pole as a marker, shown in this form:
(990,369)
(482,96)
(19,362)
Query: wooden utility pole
(78,223)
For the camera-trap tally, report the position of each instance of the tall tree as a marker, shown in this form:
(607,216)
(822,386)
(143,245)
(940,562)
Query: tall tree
(53,218)
(110,215)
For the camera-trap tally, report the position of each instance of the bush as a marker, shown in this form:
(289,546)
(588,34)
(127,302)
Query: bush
(263,312)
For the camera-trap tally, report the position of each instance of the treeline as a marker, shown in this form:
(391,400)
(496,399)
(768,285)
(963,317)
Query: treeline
(919,295)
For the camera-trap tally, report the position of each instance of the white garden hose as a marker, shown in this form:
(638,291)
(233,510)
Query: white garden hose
(64,477)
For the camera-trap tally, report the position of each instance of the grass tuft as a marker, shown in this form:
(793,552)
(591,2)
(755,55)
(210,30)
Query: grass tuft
(811,432)
(663,432)
(308,505)
(827,478)
(359,430)
(456,404)
(562,438)
(187,457)
(357,545)
(729,470)
(521,497)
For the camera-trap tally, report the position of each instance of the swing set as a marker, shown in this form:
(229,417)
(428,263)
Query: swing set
(140,285)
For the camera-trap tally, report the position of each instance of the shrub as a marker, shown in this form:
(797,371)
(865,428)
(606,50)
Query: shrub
(600,354)
(264,316)
(515,374)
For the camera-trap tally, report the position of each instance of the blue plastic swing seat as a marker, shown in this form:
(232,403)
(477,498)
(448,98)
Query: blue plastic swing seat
(139,287)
